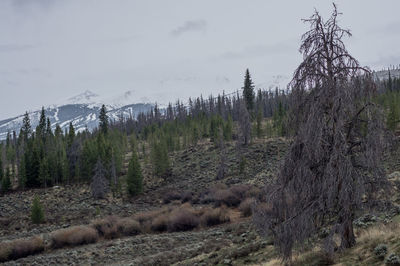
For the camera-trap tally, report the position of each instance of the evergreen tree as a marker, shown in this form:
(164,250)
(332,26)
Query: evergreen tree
(248,91)
(259,124)
(134,178)
(44,172)
(103,124)
(26,129)
(40,129)
(37,213)
(71,134)
(160,160)
(393,116)
(5,181)
(228,127)
(244,125)
(1,168)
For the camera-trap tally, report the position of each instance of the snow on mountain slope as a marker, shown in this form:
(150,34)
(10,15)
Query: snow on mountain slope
(81,110)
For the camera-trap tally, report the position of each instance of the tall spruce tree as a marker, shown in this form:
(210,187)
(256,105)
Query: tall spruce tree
(134,178)
(103,117)
(248,91)
(26,129)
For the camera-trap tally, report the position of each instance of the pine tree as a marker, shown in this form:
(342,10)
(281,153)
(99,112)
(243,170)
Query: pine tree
(393,116)
(40,129)
(248,91)
(134,178)
(160,159)
(244,125)
(103,124)
(44,172)
(71,134)
(26,129)
(5,181)
(37,213)
(228,127)
(259,124)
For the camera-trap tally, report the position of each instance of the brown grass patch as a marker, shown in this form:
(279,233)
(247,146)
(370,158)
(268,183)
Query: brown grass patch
(246,206)
(215,216)
(73,236)
(20,248)
(182,219)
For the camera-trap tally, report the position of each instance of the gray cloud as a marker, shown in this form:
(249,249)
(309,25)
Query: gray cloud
(5,48)
(258,51)
(190,26)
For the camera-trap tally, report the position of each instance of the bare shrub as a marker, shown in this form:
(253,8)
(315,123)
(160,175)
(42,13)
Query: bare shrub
(73,236)
(106,227)
(226,197)
(214,216)
(171,196)
(129,227)
(246,206)
(160,223)
(20,248)
(182,219)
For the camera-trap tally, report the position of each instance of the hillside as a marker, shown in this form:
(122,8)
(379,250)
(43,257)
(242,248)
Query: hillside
(193,181)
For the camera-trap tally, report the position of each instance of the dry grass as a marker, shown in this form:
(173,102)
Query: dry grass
(245,207)
(73,236)
(20,248)
(112,227)
(182,219)
(215,216)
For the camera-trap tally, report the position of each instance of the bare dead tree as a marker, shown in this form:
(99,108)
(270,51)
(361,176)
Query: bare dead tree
(99,185)
(335,159)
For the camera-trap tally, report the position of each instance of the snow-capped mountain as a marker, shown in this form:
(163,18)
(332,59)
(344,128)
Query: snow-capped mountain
(82,110)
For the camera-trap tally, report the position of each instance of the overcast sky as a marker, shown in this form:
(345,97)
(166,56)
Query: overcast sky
(51,50)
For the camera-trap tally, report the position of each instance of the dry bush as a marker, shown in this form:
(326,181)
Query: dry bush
(226,197)
(188,196)
(106,227)
(159,223)
(73,236)
(171,196)
(182,219)
(20,248)
(246,206)
(215,216)
(128,227)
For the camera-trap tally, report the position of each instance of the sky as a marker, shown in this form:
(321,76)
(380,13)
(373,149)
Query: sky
(51,50)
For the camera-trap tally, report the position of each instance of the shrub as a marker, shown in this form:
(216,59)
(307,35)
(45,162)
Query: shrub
(171,196)
(73,236)
(129,227)
(20,248)
(381,251)
(365,221)
(187,196)
(392,259)
(159,223)
(225,196)
(182,219)
(215,216)
(106,227)
(245,207)
(37,214)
